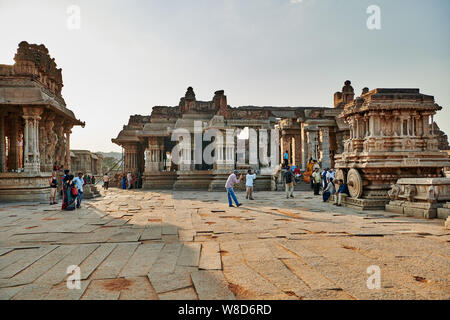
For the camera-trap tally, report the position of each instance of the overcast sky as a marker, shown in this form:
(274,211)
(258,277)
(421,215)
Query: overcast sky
(129,56)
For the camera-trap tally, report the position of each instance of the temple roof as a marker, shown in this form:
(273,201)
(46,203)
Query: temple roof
(34,80)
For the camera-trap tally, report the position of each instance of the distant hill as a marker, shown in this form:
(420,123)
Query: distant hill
(115,155)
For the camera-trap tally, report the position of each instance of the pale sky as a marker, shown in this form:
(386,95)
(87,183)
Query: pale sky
(129,56)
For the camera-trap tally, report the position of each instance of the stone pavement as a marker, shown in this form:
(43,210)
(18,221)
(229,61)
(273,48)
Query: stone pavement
(191,245)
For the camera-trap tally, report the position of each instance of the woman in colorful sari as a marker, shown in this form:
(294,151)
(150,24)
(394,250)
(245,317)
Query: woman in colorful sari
(69,199)
(309,170)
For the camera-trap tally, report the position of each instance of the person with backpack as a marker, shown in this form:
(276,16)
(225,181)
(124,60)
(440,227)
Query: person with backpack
(289,182)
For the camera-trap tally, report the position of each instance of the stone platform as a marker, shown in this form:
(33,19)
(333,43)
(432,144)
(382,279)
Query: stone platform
(444,212)
(193,180)
(419,197)
(24,187)
(159,180)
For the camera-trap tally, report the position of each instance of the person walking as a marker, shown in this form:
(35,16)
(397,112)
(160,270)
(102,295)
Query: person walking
(329,190)
(79,182)
(106,181)
(231,182)
(316,181)
(53,188)
(249,178)
(289,182)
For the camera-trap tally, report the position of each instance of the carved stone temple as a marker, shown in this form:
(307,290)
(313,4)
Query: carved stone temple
(305,132)
(35,124)
(392,137)
(373,140)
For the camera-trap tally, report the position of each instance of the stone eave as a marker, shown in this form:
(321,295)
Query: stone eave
(34,96)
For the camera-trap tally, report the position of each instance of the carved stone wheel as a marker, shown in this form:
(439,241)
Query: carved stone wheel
(339,175)
(354,182)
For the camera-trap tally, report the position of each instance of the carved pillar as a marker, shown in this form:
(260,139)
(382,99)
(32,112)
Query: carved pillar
(131,158)
(31,139)
(67,163)
(219,158)
(186,155)
(432,125)
(60,148)
(312,148)
(229,151)
(296,150)
(13,143)
(51,140)
(305,151)
(326,161)
(371,125)
(153,155)
(425,124)
(2,142)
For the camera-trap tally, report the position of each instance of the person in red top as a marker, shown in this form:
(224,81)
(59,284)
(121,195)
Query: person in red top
(297,174)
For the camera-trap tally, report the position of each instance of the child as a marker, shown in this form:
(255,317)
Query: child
(249,184)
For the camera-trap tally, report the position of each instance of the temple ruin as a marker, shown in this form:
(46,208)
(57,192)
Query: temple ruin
(35,124)
(373,140)
(305,132)
(392,137)
(87,162)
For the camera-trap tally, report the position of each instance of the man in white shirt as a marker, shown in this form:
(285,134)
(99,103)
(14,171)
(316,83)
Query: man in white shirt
(79,182)
(249,184)
(329,175)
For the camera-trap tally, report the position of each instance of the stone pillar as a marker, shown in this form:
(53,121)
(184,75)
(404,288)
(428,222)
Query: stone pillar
(2,143)
(153,155)
(13,139)
(371,126)
(32,162)
(305,151)
(432,125)
(219,158)
(312,144)
(326,161)
(425,124)
(186,155)
(67,157)
(229,151)
(297,150)
(131,158)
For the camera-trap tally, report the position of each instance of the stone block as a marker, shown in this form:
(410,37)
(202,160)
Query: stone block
(443,213)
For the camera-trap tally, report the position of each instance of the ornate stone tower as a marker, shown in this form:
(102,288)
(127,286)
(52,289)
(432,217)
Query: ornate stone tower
(344,97)
(391,137)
